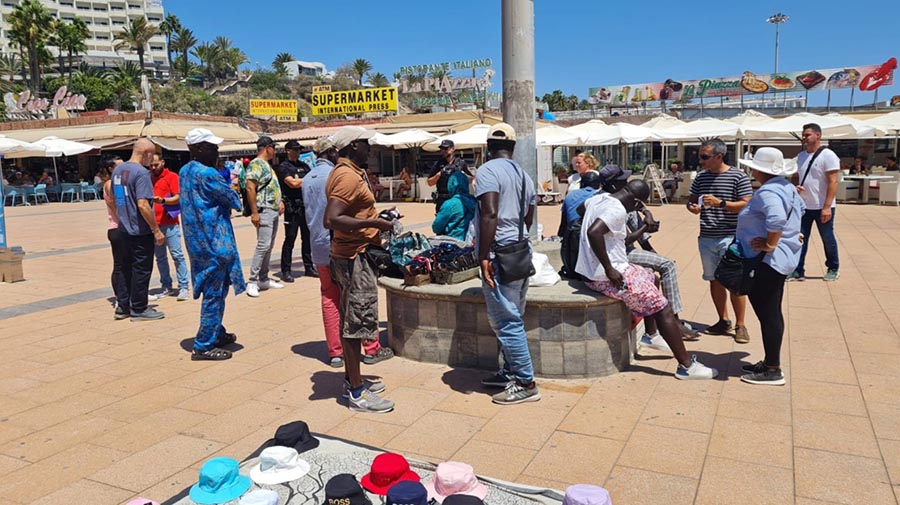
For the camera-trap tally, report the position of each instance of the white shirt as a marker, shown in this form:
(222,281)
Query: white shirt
(574,182)
(611,211)
(816,184)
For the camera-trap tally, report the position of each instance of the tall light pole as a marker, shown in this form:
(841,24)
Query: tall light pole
(777,19)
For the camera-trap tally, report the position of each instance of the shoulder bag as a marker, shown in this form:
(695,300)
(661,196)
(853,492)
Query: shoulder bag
(513,260)
(810,164)
(245,200)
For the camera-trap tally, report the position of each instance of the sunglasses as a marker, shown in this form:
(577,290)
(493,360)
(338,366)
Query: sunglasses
(705,157)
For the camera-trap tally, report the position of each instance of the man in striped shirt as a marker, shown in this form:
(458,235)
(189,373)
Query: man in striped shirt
(718,194)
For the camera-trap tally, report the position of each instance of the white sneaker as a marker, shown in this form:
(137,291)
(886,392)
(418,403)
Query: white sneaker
(159,296)
(183,295)
(270,284)
(697,371)
(252,290)
(656,342)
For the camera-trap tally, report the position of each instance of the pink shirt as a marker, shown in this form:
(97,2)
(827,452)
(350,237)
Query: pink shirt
(110,207)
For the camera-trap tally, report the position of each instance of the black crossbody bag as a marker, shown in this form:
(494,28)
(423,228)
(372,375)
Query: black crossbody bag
(514,260)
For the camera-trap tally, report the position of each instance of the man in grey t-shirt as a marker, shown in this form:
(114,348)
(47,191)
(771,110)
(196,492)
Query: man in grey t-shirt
(498,222)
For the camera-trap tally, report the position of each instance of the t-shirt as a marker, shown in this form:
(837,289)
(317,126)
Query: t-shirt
(268,191)
(731,185)
(347,184)
(611,211)
(112,218)
(298,170)
(164,186)
(573,200)
(315,202)
(441,164)
(130,183)
(816,184)
(504,176)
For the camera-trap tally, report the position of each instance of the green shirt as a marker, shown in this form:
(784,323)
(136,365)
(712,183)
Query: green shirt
(268,192)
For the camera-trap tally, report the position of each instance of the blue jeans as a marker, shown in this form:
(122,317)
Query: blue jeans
(505,309)
(173,244)
(826,231)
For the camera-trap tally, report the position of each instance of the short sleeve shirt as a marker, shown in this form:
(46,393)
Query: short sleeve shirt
(130,183)
(347,184)
(611,211)
(165,186)
(816,183)
(268,191)
(458,164)
(298,170)
(504,176)
(731,185)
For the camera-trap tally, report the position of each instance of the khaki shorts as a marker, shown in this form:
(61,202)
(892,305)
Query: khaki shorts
(359,297)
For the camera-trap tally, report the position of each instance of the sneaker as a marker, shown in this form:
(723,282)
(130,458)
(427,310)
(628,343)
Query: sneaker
(831,275)
(372,386)
(370,403)
(336,362)
(270,284)
(287,277)
(164,292)
(183,295)
(517,393)
(498,380)
(796,277)
(380,355)
(697,371)
(766,377)
(759,366)
(252,290)
(121,314)
(723,327)
(740,335)
(688,332)
(656,342)
(147,315)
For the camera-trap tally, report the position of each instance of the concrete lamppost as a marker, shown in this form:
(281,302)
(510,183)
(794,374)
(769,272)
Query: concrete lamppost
(777,19)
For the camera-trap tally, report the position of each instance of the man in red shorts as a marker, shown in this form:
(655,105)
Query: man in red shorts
(603,261)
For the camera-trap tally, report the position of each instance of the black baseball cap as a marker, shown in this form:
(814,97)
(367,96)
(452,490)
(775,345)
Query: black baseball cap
(264,142)
(447,144)
(293,145)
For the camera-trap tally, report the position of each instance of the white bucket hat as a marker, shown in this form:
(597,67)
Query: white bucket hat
(260,497)
(771,161)
(277,465)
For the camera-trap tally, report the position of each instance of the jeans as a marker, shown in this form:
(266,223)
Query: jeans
(119,246)
(137,267)
(505,310)
(331,315)
(292,223)
(826,231)
(173,244)
(265,241)
(765,298)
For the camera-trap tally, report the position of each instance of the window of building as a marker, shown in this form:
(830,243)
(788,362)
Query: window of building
(157,48)
(101,37)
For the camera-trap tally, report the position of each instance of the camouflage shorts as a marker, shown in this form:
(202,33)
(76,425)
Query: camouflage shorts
(359,297)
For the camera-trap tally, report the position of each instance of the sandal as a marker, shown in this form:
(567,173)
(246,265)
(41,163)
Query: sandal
(213,354)
(227,339)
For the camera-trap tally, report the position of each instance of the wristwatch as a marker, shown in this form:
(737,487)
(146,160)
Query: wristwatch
(722,204)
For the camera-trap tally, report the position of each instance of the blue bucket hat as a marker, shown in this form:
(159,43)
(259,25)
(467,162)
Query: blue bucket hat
(220,482)
(407,492)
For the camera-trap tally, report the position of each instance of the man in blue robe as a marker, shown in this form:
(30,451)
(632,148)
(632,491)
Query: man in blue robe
(206,203)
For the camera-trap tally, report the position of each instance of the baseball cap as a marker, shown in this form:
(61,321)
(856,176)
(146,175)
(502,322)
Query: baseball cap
(502,131)
(264,142)
(323,144)
(347,134)
(198,135)
(446,144)
(293,145)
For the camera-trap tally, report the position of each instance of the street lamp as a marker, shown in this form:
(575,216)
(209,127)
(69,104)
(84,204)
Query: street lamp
(777,19)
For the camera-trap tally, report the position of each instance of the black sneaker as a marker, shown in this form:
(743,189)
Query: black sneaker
(287,277)
(759,366)
(498,380)
(121,314)
(311,271)
(147,315)
(765,378)
(382,354)
(723,327)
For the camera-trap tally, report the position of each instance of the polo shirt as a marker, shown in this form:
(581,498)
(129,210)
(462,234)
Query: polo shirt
(348,185)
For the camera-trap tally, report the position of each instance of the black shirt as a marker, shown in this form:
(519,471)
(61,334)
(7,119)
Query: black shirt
(441,164)
(296,169)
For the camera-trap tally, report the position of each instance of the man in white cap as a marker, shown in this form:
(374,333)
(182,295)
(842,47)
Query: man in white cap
(206,203)
(351,216)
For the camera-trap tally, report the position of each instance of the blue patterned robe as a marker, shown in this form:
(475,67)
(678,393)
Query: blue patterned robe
(206,203)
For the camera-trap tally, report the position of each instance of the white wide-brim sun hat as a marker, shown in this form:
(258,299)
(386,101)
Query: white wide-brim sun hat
(771,161)
(278,465)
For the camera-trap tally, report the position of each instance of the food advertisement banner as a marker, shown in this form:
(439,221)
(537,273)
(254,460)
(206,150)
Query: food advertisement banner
(864,78)
(356,101)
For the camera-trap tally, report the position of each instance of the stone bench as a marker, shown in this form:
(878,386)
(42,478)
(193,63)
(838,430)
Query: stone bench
(572,332)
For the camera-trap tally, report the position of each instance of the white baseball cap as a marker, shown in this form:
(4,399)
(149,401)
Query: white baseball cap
(198,135)
(347,134)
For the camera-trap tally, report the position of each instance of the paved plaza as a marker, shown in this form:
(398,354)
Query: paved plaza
(96,411)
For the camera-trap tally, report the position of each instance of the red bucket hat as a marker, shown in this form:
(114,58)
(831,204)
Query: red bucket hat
(387,469)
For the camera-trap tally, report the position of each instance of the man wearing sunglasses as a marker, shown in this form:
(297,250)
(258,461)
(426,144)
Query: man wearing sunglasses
(441,170)
(718,194)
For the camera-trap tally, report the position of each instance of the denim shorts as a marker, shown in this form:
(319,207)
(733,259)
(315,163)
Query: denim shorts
(711,251)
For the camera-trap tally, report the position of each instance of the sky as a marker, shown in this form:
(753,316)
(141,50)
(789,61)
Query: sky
(579,44)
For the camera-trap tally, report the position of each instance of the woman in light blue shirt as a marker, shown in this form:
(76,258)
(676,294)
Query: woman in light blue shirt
(770,224)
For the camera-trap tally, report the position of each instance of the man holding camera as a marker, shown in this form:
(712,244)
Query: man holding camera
(291,172)
(441,170)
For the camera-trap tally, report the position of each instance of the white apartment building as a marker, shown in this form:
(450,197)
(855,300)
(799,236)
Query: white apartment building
(297,68)
(104,19)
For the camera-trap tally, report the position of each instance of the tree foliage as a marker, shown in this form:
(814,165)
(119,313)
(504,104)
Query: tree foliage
(31,26)
(135,37)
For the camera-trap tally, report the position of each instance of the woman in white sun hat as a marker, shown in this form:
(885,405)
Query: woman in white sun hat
(770,224)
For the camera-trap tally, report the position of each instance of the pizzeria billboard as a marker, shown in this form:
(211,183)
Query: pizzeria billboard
(864,78)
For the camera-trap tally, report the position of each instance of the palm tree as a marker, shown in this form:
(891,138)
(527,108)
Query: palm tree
(124,80)
(30,28)
(280,60)
(169,27)
(70,38)
(135,37)
(183,42)
(10,64)
(379,80)
(210,56)
(361,67)
(234,58)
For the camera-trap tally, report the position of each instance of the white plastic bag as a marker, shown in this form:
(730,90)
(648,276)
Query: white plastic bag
(545,274)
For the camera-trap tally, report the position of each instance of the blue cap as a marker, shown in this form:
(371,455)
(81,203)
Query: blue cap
(407,492)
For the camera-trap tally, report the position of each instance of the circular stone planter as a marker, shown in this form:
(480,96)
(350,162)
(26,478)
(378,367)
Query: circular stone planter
(572,332)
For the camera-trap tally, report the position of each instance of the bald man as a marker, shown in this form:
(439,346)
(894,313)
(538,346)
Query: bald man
(133,193)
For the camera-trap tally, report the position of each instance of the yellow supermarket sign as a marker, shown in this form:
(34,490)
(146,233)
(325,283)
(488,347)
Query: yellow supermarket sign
(263,107)
(325,88)
(357,101)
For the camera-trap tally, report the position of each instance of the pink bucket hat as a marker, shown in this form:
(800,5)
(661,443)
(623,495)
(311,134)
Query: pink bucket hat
(453,477)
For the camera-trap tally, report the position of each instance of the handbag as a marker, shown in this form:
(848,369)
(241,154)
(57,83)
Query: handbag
(513,260)
(380,260)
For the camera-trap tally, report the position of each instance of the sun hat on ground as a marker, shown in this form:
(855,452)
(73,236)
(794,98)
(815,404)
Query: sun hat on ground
(278,465)
(220,481)
(453,477)
(387,469)
(585,494)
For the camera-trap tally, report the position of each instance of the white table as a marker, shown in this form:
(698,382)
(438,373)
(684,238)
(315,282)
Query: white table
(865,182)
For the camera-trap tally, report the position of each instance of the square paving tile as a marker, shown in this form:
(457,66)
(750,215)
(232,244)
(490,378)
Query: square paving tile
(564,454)
(752,442)
(608,419)
(142,433)
(665,450)
(729,481)
(686,412)
(495,460)
(633,486)
(146,403)
(366,431)
(86,492)
(828,397)
(835,433)
(890,450)
(53,413)
(532,434)
(454,429)
(841,478)
(45,443)
(238,422)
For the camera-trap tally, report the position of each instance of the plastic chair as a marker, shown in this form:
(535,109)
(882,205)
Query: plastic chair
(847,189)
(40,191)
(424,189)
(12,193)
(68,190)
(889,192)
(87,189)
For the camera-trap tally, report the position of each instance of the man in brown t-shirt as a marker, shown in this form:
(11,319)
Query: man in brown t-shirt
(351,216)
